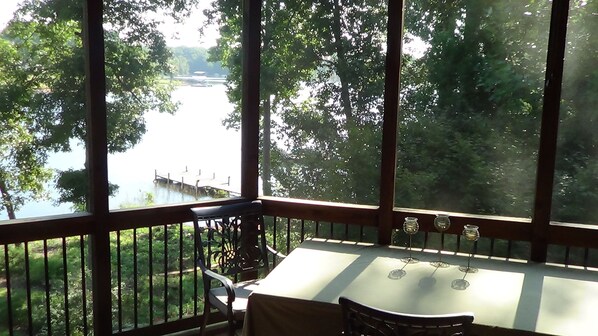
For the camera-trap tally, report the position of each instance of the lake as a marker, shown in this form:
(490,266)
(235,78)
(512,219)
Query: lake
(194,139)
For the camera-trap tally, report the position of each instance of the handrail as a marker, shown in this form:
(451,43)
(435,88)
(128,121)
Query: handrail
(48,227)
(323,211)
(162,232)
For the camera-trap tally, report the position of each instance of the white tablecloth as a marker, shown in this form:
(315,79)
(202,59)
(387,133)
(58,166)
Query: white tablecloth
(300,296)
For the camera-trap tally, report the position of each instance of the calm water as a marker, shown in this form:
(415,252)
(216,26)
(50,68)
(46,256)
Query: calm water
(194,138)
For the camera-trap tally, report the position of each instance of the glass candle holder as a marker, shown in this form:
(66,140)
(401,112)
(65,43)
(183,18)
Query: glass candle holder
(410,226)
(442,222)
(471,233)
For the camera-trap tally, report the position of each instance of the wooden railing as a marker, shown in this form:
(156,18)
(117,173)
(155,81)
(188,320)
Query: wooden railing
(45,275)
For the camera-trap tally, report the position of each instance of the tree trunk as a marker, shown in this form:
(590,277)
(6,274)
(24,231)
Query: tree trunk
(266,104)
(7,200)
(343,71)
(342,67)
(266,184)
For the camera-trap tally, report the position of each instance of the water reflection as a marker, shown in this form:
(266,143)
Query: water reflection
(194,137)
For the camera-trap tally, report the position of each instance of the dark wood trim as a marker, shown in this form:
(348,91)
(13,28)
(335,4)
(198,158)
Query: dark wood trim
(250,116)
(388,165)
(549,129)
(49,227)
(159,215)
(39,228)
(573,235)
(164,328)
(97,137)
(188,324)
(321,211)
(97,164)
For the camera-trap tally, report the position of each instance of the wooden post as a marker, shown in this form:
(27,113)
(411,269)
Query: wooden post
(250,106)
(390,121)
(549,129)
(97,163)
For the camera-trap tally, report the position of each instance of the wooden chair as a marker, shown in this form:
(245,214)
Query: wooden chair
(231,246)
(363,320)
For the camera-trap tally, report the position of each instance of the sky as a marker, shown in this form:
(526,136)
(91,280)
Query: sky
(7,8)
(176,34)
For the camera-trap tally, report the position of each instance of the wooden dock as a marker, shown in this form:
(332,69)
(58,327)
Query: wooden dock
(195,183)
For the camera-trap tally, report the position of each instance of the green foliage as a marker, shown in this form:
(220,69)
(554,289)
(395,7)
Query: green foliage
(143,199)
(127,247)
(42,88)
(187,60)
(471,102)
(471,107)
(73,187)
(326,146)
(576,166)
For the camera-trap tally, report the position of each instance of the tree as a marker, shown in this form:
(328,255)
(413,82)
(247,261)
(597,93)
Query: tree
(325,143)
(471,106)
(576,175)
(42,88)
(191,59)
(471,101)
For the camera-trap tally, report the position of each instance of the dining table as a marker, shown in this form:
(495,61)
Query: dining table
(507,297)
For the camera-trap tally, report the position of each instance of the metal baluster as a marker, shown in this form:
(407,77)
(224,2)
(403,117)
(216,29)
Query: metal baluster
(66,288)
(274,235)
(180,270)
(586,257)
(119,281)
(288,235)
(83,284)
(28,287)
(47,280)
(195,276)
(302,230)
(151,276)
(8,294)
(165,273)
(317,229)
(274,239)
(135,285)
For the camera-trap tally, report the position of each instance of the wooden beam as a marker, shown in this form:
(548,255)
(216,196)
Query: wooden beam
(250,116)
(124,219)
(97,165)
(320,211)
(549,129)
(390,123)
(47,227)
(578,235)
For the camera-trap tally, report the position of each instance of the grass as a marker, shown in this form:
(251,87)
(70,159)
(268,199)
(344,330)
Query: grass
(133,287)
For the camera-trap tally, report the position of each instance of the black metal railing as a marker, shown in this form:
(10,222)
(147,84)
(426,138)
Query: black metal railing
(154,278)
(45,283)
(44,287)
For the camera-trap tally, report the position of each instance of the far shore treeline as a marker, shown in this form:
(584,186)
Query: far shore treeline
(187,60)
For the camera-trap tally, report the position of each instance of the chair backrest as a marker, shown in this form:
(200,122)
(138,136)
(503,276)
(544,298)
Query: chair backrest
(230,239)
(363,320)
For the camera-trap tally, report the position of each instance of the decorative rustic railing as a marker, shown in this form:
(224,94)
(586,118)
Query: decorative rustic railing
(45,264)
